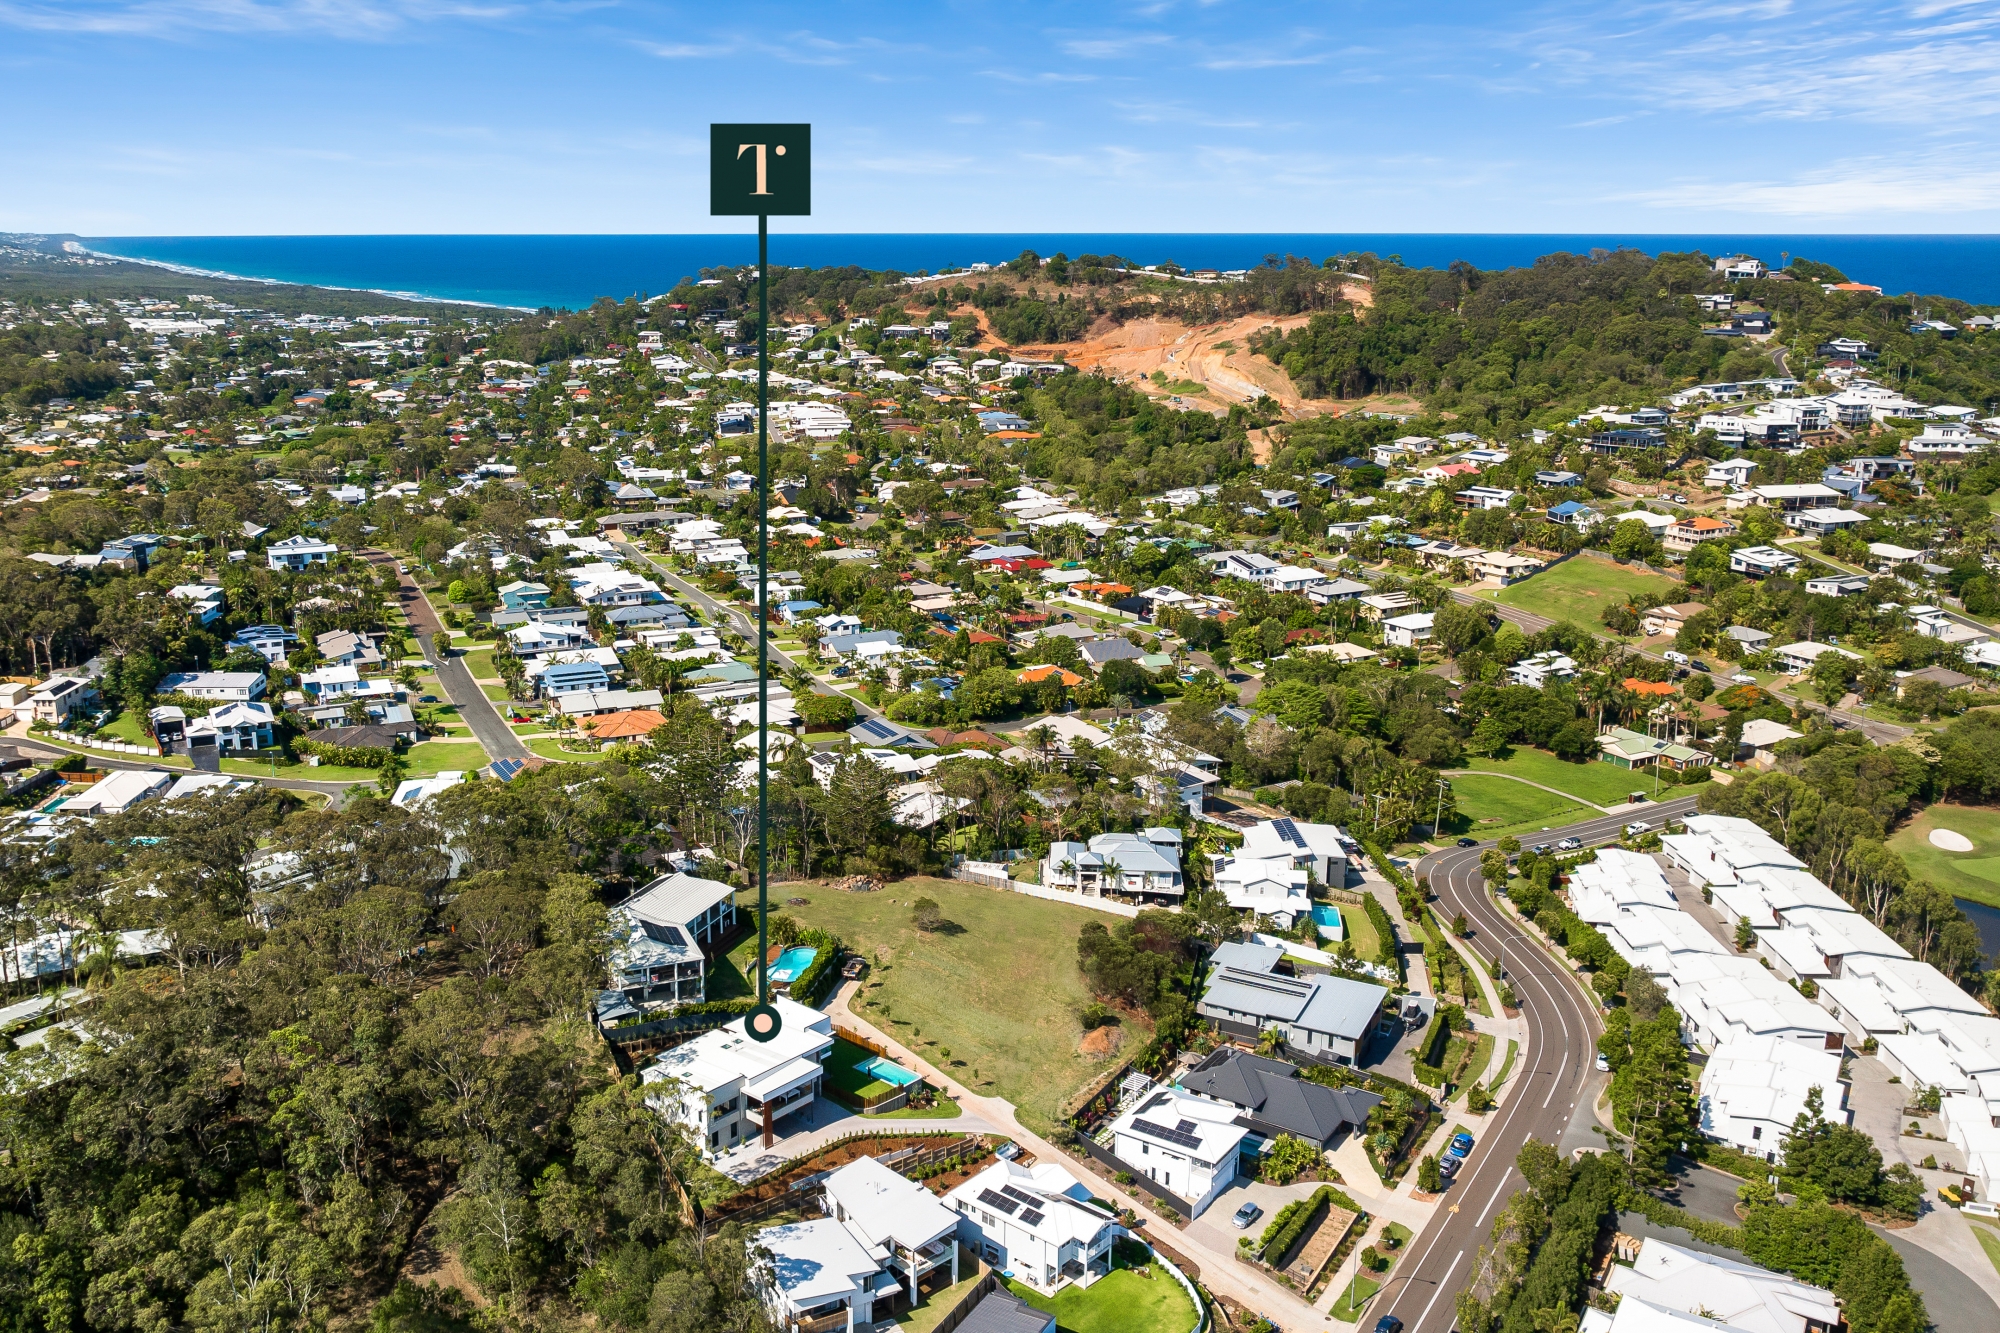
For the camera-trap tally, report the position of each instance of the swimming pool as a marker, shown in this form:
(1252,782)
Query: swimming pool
(1327,918)
(790,964)
(889,1071)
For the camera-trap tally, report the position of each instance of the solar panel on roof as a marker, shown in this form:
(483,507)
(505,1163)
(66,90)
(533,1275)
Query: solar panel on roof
(1030,1217)
(1289,831)
(998,1201)
(1185,1127)
(1024,1197)
(1176,1136)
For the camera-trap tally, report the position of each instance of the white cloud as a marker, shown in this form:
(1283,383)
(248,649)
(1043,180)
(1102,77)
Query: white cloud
(1939,182)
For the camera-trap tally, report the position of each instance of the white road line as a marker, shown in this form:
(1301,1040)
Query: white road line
(1440,1291)
(1490,1202)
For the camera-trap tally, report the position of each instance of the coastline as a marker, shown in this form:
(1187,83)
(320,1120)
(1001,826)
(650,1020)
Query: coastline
(222,275)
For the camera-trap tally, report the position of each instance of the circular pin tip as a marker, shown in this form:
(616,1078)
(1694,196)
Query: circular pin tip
(762,1023)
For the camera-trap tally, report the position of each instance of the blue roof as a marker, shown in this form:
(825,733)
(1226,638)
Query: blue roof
(1568,507)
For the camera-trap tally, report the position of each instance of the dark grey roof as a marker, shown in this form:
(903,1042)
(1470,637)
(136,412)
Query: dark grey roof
(1099,651)
(1275,1098)
(1004,1312)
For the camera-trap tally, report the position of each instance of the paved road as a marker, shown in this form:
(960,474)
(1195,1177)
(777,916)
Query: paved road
(488,727)
(335,792)
(1557,1072)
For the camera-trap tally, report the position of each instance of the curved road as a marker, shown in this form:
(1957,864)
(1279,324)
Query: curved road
(1557,1063)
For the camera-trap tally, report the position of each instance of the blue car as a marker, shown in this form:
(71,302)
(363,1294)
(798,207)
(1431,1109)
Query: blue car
(1462,1142)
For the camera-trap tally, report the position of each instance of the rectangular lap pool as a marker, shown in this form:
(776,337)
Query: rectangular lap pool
(1327,918)
(791,964)
(889,1071)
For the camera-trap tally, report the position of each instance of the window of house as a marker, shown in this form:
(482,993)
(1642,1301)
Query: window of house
(1756,1131)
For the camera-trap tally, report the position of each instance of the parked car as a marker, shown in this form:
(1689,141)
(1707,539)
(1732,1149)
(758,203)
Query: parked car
(1540,849)
(1603,1065)
(1448,1165)
(1569,844)
(1700,665)
(1468,842)
(1637,827)
(1247,1214)
(1744,678)
(1462,1141)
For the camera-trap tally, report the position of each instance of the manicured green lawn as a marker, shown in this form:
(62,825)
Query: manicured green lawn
(1360,932)
(1578,591)
(942,1108)
(261,768)
(999,987)
(1974,874)
(479,661)
(1354,1294)
(1594,781)
(429,758)
(1121,1302)
(1989,1241)
(843,1070)
(128,726)
(1482,1056)
(497,693)
(1492,807)
(548,747)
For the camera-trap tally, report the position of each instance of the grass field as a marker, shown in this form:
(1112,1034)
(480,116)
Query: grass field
(1989,1241)
(1493,807)
(1359,929)
(548,747)
(1354,1294)
(1594,782)
(1121,1302)
(429,758)
(1578,591)
(1000,987)
(1974,874)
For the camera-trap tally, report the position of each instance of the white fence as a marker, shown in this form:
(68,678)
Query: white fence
(994,874)
(113,747)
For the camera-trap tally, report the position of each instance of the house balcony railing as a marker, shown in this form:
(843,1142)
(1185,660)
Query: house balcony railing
(825,1323)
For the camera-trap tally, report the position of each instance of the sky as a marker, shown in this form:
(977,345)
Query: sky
(265,117)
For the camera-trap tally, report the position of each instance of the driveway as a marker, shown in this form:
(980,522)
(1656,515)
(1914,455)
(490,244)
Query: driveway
(488,727)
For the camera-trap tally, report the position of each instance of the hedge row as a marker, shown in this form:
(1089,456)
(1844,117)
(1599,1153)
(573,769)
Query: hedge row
(809,986)
(1385,931)
(347,756)
(1291,1223)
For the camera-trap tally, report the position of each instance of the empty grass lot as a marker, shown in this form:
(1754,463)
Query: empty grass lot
(429,758)
(1974,874)
(999,987)
(1596,782)
(1120,1302)
(1578,590)
(1493,807)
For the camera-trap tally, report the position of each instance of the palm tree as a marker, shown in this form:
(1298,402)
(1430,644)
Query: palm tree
(1271,1043)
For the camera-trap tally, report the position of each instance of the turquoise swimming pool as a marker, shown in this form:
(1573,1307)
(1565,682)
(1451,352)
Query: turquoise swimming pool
(1326,916)
(791,964)
(889,1072)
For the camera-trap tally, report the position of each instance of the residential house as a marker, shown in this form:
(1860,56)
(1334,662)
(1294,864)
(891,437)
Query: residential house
(234,727)
(1273,1098)
(205,601)
(1326,1018)
(1574,514)
(1669,619)
(1098,652)
(1380,605)
(1838,585)
(523,596)
(1668,1289)
(1483,497)
(658,935)
(1754,1088)
(1799,657)
(1537,671)
(1731,473)
(1037,1222)
(728,1089)
(61,698)
(1753,640)
(1409,631)
(267,641)
(343,647)
(227,686)
(1819,522)
(297,553)
(1760,739)
(1247,565)
(569,677)
(872,644)
(1188,1146)
(1762,561)
(1687,533)
(1624,748)
(1505,568)
(1291,578)
(1141,865)
(1558,477)
(1890,556)
(1788,498)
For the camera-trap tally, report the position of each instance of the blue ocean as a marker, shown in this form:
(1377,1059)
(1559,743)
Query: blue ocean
(572,271)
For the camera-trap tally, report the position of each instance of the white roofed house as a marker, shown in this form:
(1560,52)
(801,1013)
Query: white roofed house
(729,1090)
(1754,1088)
(1036,1221)
(234,726)
(704,908)
(912,1230)
(1146,864)
(1189,1146)
(205,601)
(227,686)
(1668,1289)
(1409,631)
(296,553)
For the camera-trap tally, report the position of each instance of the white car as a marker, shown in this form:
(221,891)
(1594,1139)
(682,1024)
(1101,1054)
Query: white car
(1675,657)
(1603,1065)
(1744,678)
(1636,827)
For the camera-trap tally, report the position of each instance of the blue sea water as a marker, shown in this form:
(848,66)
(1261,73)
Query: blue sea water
(571,271)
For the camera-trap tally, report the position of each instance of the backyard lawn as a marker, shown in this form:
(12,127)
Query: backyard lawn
(999,986)
(1120,1302)
(1974,874)
(548,747)
(1359,931)
(1578,590)
(1596,782)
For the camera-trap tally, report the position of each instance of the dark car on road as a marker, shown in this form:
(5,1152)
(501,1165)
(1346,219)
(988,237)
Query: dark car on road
(1388,1323)
(1468,842)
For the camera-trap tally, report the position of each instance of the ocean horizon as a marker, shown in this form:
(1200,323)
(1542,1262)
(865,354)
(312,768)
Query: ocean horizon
(570,271)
